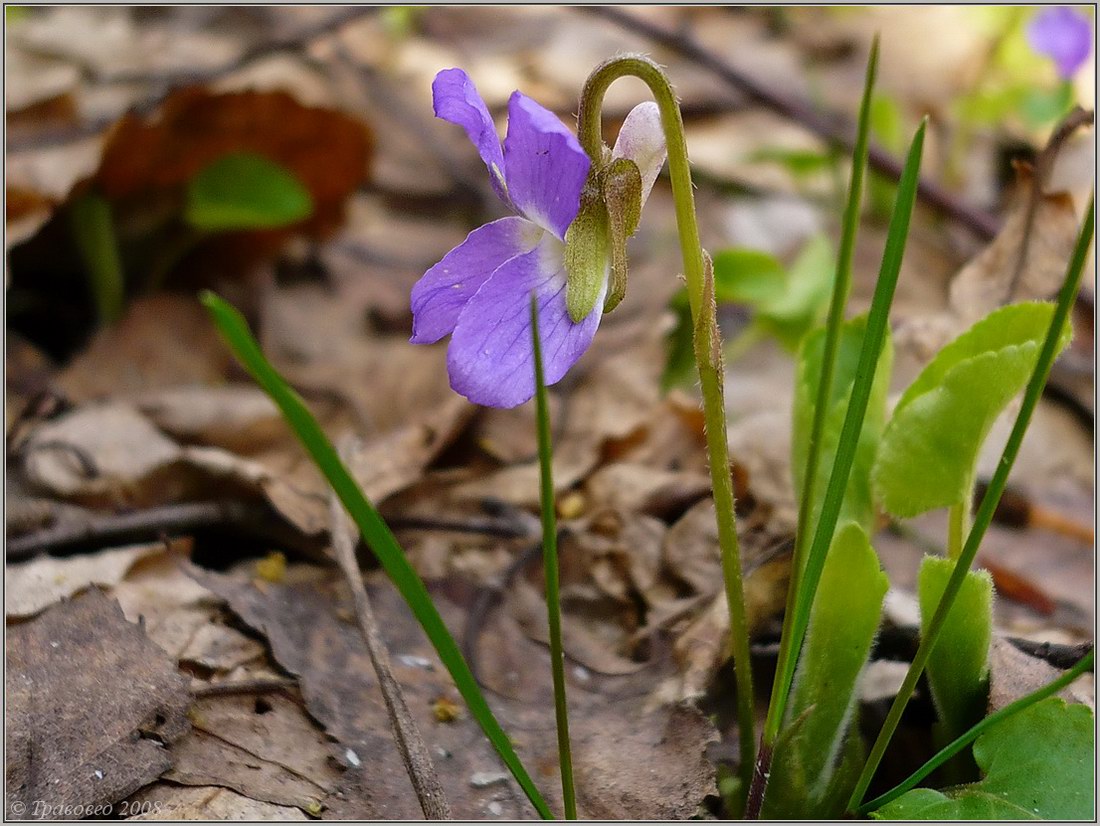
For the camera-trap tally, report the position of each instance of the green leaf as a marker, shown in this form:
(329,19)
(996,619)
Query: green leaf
(1038,765)
(930,447)
(799,162)
(843,623)
(958,667)
(242,191)
(858,504)
(744,276)
(375,532)
(680,365)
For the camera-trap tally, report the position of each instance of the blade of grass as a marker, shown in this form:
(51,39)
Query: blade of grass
(381,540)
(964,740)
(984,515)
(550,563)
(94,232)
(873,338)
(841,288)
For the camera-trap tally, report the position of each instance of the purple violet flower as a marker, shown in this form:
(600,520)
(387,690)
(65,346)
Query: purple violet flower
(480,292)
(1063,35)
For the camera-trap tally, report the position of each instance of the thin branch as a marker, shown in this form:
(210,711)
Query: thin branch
(980,222)
(418,763)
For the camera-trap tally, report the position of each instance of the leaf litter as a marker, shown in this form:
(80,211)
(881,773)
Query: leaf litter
(161,417)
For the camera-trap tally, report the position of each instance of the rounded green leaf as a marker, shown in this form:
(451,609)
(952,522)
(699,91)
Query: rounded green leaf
(1038,765)
(930,447)
(241,191)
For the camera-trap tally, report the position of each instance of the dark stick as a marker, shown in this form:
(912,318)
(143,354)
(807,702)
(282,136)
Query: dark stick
(981,223)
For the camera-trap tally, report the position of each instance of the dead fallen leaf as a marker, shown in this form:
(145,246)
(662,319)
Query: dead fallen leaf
(91,703)
(239,418)
(1012,674)
(984,283)
(31,586)
(264,747)
(303,624)
(167,801)
(645,489)
(137,355)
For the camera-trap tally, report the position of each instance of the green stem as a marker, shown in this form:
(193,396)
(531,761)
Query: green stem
(964,740)
(834,323)
(984,515)
(714,408)
(550,562)
(956,529)
(94,231)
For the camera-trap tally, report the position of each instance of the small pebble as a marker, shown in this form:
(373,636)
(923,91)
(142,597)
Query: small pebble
(98,774)
(496,809)
(353,759)
(442,752)
(582,673)
(479,780)
(414,661)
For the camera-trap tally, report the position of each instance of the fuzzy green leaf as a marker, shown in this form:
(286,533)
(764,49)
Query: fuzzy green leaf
(587,254)
(930,447)
(843,623)
(858,504)
(1038,765)
(958,667)
(242,191)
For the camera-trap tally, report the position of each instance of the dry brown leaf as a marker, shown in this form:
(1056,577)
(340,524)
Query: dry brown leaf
(144,160)
(31,586)
(303,624)
(984,283)
(90,704)
(1013,674)
(167,801)
(240,418)
(140,355)
(645,489)
(264,747)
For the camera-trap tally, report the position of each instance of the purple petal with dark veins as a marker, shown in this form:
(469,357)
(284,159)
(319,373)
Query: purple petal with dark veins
(1063,35)
(544,165)
(491,359)
(441,293)
(455,99)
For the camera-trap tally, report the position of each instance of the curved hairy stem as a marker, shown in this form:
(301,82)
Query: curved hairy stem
(706,335)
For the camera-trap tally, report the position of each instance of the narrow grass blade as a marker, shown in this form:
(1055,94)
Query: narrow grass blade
(964,740)
(550,562)
(94,231)
(873,338)
(841,288)
(984,515)
(235,330)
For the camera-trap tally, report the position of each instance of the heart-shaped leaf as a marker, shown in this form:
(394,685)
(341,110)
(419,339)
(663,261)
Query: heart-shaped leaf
(242,191)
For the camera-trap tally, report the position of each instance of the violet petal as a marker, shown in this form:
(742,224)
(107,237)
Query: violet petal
(441,293)
(544,165)
(490,359)
(642,140)
(456,99)
(1063,35)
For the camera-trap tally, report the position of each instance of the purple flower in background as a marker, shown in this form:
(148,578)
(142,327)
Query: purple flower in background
(1063,35)
(480,292)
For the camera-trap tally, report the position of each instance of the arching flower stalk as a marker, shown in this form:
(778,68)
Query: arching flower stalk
(576,202)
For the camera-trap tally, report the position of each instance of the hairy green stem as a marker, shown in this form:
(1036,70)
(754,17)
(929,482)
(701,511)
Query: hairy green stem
(984,515)
(964,740)
(550,562)
(714,408)
(835,321)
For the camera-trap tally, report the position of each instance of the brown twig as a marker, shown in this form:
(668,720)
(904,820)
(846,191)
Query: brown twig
(981,223)
(418,763)
(1044,164)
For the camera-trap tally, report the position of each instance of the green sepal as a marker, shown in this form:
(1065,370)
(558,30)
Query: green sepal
(621,185)
(586,253)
